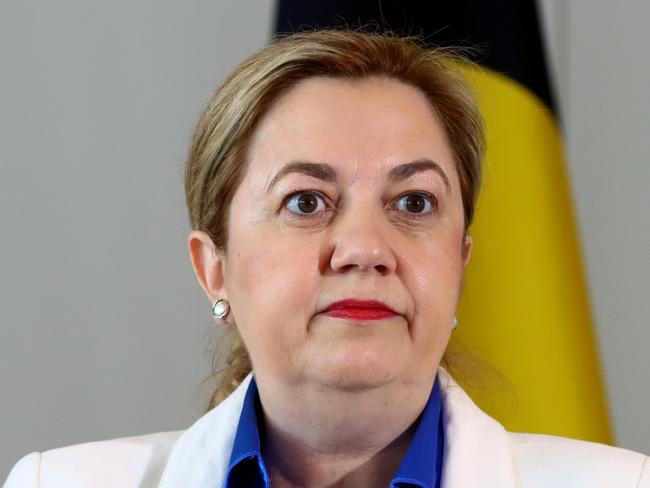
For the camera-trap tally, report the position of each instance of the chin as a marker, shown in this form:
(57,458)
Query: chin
(357,371)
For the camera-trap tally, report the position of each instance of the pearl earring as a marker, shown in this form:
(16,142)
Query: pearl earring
(454,323)
(220,308)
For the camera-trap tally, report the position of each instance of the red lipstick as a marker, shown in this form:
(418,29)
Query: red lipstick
(360,310)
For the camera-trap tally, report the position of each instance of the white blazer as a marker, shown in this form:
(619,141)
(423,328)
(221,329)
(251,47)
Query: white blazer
(479,453)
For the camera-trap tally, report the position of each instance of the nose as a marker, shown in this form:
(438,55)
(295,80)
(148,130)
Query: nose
(361,242)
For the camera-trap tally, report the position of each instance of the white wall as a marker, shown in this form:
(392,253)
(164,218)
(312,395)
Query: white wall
(103,326)
(600,54)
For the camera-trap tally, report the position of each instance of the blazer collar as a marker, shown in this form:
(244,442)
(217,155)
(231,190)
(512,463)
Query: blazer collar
(477,447)
(200,457)
(477,451)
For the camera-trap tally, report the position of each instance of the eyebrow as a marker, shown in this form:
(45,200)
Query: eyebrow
(406,170)
(321,171)
(325,172)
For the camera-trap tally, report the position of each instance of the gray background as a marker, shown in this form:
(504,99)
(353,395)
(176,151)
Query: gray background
(104,330)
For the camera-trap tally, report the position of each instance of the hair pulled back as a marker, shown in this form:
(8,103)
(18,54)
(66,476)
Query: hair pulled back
(216,162)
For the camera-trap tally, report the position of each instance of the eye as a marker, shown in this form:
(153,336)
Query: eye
(305,203)
(417,203)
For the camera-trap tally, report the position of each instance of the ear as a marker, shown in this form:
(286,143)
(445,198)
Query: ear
(208,265)
(468,244)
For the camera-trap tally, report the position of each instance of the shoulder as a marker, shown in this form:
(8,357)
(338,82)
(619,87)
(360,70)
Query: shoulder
(194,457)
(126,462)
(514,460)
(545,460)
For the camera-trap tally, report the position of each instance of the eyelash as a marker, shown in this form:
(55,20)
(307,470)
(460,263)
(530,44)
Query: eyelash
(433,201)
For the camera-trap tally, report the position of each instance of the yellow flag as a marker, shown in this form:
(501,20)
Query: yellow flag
(525,307)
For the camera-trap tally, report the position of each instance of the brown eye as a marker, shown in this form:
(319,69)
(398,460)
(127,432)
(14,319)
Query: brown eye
(416,203)
(305,203)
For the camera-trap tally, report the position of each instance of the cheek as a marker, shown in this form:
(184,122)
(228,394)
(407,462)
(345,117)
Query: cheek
(439,263)
(435,282)
(276,270)
(272,282)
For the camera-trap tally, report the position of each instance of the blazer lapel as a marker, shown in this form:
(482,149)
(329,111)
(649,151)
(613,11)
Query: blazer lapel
(477,448)
(201,455)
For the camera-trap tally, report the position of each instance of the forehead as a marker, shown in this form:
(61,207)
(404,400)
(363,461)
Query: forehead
(372,124)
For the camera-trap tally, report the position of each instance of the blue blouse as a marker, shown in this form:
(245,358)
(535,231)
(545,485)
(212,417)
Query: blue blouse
(421,466)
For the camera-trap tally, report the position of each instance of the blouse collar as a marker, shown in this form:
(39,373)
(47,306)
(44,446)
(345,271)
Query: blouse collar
(247,469)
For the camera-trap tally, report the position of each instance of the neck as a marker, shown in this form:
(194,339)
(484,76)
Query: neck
(316,436)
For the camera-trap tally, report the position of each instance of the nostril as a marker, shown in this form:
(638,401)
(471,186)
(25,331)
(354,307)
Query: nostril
(381,268)
(348,267)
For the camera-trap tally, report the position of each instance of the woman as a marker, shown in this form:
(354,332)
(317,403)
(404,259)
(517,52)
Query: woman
(331,183)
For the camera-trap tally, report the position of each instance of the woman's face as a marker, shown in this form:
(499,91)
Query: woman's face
(351,192)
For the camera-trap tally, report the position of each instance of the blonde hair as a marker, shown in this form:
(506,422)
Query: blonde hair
(216,161)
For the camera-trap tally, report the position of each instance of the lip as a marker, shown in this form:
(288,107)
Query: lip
(359,310)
